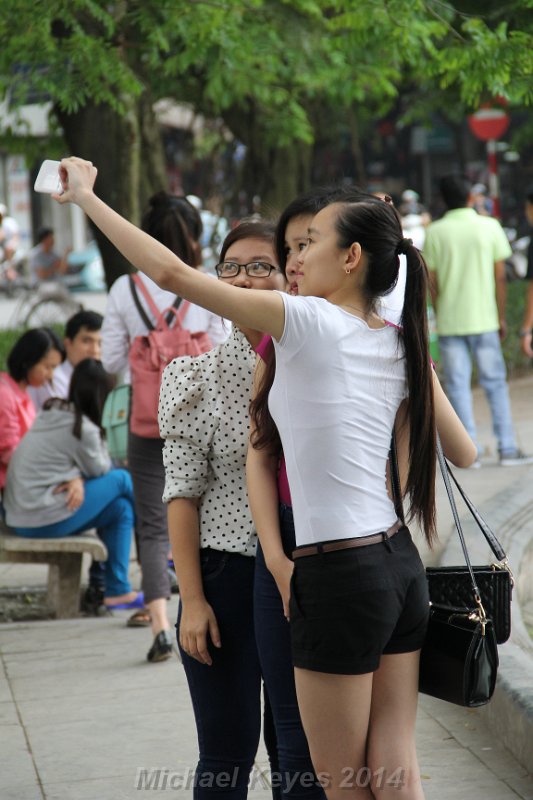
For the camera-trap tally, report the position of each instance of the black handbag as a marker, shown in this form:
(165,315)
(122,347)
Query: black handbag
(459,658)
(452,586)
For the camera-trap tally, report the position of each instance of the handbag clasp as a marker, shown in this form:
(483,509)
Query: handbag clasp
(504,565)
(481,613)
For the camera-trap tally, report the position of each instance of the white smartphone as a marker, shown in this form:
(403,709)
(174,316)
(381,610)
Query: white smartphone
(47,180)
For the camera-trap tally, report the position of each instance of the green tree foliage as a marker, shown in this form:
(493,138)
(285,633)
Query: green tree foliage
(272,69)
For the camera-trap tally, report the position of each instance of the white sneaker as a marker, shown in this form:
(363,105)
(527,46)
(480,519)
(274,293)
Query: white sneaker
(515,460)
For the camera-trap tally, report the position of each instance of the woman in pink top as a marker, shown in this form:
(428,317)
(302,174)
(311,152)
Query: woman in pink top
(31,362)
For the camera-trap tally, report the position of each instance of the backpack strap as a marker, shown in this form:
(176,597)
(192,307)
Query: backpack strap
(140,309)
(135,280)
(183,310)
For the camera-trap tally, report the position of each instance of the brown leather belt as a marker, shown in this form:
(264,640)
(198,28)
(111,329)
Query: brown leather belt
(346,544)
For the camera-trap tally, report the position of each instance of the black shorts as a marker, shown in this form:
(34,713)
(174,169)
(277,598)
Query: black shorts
(347,607)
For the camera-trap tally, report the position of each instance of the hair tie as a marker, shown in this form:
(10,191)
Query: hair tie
(403,246)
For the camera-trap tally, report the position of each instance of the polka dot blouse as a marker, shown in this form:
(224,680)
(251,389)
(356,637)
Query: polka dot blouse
(203,418)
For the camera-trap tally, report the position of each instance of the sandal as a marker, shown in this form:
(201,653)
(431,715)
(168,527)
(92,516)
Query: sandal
(140,619)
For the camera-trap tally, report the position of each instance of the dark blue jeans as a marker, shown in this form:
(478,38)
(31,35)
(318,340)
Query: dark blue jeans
(226,696)
(272,632)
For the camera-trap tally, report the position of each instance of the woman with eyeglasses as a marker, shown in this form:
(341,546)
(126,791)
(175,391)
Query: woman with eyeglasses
(203,417)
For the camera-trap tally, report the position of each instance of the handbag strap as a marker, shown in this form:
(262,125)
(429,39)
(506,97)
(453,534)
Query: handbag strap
(449,491)
(495,545)
(489,535)
(135,280)
(398,505)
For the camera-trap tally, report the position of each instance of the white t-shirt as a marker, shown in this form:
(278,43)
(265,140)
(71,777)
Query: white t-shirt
(122,321)
(391,305)
(337,389)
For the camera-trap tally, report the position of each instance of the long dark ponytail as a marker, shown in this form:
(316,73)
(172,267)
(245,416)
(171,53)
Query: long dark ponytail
(89,386)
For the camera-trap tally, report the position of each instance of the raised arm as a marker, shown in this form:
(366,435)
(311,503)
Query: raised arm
(249,308)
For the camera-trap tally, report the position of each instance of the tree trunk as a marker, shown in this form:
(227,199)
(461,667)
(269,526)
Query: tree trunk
(275,174)
(357,151)
(128,153)
(153,173)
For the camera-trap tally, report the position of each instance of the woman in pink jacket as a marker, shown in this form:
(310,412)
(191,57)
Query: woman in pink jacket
(31,362)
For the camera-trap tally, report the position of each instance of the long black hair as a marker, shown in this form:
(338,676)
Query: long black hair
(89,386)
(176,223)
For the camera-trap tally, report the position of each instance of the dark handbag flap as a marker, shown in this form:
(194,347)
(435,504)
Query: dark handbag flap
(459,659)
(452,587)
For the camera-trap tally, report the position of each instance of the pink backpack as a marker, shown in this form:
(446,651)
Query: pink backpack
(150,354)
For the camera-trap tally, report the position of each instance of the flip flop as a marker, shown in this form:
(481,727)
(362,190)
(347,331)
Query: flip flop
(140,619)
(137,603)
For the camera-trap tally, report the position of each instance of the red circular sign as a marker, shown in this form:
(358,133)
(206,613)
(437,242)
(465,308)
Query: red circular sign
(489,123)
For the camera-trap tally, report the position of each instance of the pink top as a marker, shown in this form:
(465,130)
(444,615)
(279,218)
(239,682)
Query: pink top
(17,414)
(284,493)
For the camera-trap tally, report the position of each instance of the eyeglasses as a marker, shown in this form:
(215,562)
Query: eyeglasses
(255,269)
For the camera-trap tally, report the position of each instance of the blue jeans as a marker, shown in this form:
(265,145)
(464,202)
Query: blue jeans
(456,357)
(272,634)
(226,696)
(108,506)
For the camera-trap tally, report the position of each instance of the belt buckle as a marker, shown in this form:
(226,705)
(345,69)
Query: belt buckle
(386,541)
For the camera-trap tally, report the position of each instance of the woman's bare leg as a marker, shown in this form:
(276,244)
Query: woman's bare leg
(391,753)
(335,711)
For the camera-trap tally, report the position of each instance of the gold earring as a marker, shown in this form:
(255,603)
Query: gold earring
(348,271)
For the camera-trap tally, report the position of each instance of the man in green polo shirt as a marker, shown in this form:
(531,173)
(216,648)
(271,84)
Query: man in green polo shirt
(466,253)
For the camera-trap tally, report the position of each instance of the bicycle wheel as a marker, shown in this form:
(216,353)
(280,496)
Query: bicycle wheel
(51,309)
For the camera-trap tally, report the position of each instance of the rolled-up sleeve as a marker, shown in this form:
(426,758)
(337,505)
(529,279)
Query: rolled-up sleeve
(187,425)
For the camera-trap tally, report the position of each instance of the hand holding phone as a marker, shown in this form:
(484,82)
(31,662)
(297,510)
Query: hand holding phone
(47,180)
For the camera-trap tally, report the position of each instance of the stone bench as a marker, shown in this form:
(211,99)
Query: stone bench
(64,558)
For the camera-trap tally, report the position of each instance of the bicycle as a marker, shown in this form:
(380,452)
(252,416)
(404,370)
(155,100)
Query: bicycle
(37,306)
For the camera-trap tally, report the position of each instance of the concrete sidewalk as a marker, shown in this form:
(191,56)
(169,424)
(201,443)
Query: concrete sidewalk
(83,716)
